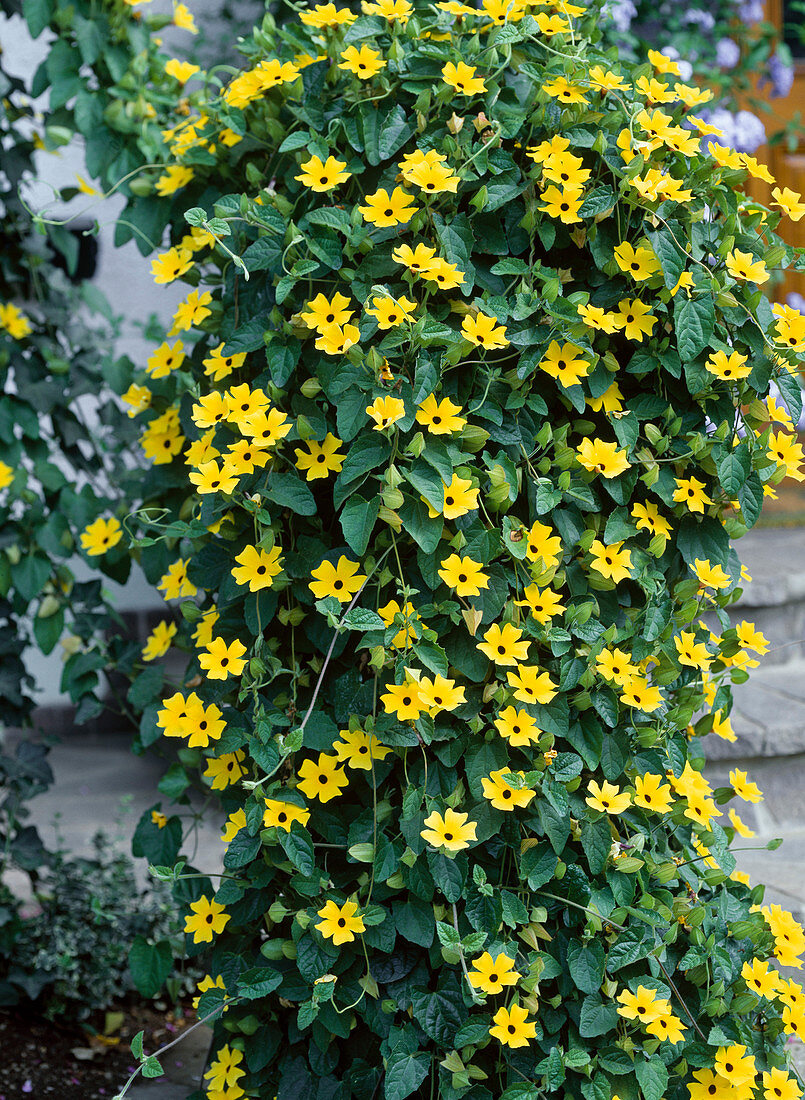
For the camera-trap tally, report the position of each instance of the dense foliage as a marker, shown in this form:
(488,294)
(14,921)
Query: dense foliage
(450,436)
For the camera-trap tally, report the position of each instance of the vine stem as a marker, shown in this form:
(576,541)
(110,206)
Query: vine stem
(473,994)
(173,1043)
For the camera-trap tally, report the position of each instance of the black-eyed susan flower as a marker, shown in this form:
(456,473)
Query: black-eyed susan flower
(503,645)
(563,203)
(607,797)
(281,815)
(518,727)
(192,311)
(100,536)
(175,583)
(257,568)
(745,268)
(340,923)
(244,402)
(638,693)
(321,311)
(651,793)
(171,264)
(600,457)
(342,580)
(212,478)
(565,362)
(173,717)
(208,919)
(403,701)
(512,1026)
(440,417)
(643,1005)
(245,457)
(616,666)
(322,779)
(465,575)
(202,724)
(173,179)
(460,498)
(446,275)
(761,977)
(14,321)
(183,18)
(211,409)
(648,518)
(640,263)
(415,259)
(181,70)
(503,795)
(440,694)
(612,560)
(390,312)
(730,368)
(364,62)
(561,89)
(159,640)
(691,492)
(358,749)
(386,210)
(218,366)
(452,831)
(427,172)
(484,332)
(786,451)
(790,202)
(544,603)
(233,824)
(462,77)
(138,398)
(225,1072)
(320,459)
(710,576)
(165,359)
(531,684)
(565,170)
(691,653)
(743,787)
(337,339)
(158,819)
(778,1085)
(667,1028)
(321,175)
(327,15)
(394,11)
(221,660)
(385,411)
(635,319)
(266,429)
(493,975)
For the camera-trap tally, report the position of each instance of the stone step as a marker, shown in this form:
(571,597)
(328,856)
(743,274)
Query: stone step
(774,600)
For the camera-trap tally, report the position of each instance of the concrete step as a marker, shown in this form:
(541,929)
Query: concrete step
(775,597)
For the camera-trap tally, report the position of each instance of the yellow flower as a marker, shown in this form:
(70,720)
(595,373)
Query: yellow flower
(340,923)
(218,366)
(744,267)
(518,727)
(760,977)
(492,975)
(165,359)
(483,331)
(787,453)
(359,748)
(258,567)
(395,11)
(729,368)
(744,788)
(545,604)
(209,918)
(460,498)
(158,819)
(174,179)
(222,660)
(563,203)
(636,319)
(502,645)
(101,535)
(384,210)
(174,583)
(640,263)
(327,15)
(212,478)
(502,795)
(415,259)
(710,576)
(639,694)
(385,411)
(690,492)
(403,700)
(171,264)
(392,612)
(364,62)
(426,171)
(649,519)
(321,459)
(439,694)
(597,318)
(604,458)
(565,363)
(234,823)
(281,815)
(323,176)
(463,574)
(607,798)
(181,70)
(225,1072)
(611,560)
(738,825)
(462,77)
(192,311)
(322,779)
(560,88)
(445,275)
(777,1085)
(336,340)
(790,202)
(342,581)
(652,794)
(643,1005)
(183,18)
(512,1026)
(14,321)
(668,1028)
(159,640)
(322,312)
(439,417)
(390,312)
(691,653)
(531,685)
(452,831)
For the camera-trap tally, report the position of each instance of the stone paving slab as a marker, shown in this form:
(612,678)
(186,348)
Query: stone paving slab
(183,1065)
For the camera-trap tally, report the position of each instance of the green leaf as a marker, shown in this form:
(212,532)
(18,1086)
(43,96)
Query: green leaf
(30,575)
(733,468)
(750,498)
(358,518)
(332,218)
(405,1073)
(150,964)
(586,965)
(298,847)
(694,319)
(47,631)
(362,618)
(597,1018)
(427,483)
(652,1076)
(37,14)
(137,1045)
(152,1068)
(289,491)
(672,258)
